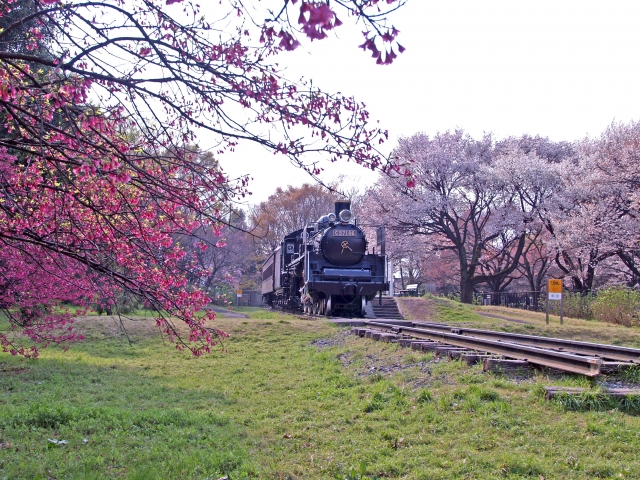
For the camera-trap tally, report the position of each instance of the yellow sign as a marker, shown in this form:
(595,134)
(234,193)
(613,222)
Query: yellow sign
(555,285)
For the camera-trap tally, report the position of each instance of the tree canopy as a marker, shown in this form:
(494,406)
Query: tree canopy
(513,208)
(100,102)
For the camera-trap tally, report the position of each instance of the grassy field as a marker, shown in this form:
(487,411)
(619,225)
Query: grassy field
(293,398)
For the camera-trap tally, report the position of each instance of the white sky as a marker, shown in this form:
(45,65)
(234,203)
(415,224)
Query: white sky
(563,69)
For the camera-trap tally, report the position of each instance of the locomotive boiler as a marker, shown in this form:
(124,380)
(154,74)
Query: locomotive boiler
(325,268)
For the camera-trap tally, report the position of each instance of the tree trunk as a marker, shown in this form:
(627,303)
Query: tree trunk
(402,277)
(466,290)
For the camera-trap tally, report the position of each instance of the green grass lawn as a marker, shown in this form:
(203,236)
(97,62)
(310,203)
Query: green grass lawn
(291,399)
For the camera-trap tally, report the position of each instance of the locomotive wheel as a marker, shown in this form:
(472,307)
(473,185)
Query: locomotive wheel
(364,304)
(327,309)
(315,308)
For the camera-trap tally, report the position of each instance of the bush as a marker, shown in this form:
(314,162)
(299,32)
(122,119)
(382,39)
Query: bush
(617,305)
(455,296)
(574,305)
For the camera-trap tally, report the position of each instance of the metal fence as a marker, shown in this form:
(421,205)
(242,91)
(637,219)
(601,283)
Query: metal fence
(249,298)
(576,301)
(525,300)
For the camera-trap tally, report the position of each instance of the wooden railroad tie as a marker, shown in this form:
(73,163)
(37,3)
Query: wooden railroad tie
(389,337)
(425,346)
(447,351)
(359,331)
(458,353)
(612,392)
(471,358)
(375,334)
(430,346)
(385,337)
(611,367)
(500,365)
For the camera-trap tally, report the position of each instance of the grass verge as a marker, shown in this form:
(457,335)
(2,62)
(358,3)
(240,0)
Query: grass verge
(293,399)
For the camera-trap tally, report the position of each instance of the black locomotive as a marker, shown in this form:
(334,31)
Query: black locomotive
(324,268)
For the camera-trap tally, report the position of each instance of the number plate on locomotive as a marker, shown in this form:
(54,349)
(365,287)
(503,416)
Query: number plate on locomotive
(344,233)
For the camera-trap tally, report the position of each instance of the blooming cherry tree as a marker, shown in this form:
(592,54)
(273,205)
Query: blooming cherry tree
(595,216)
(617,160)
(470,197)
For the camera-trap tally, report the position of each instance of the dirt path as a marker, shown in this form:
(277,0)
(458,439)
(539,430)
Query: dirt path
(507,319)
(226,312)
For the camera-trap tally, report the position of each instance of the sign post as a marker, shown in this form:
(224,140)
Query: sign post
(554,292)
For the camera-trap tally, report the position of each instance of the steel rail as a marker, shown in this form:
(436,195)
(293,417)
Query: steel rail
(569,362)
(611,352)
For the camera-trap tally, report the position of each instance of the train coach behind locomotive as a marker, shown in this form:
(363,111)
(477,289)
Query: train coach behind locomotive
(324,268)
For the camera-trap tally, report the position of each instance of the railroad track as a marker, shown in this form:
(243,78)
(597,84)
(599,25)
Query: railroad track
(585,358)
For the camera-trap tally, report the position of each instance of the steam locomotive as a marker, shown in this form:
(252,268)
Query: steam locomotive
(324,268)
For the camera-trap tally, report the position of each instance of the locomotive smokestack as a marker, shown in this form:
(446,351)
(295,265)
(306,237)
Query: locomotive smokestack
(342,205)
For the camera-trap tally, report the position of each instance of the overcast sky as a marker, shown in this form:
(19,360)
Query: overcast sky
(563,69)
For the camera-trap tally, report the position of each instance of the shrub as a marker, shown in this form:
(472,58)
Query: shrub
(617,305)
(574,305)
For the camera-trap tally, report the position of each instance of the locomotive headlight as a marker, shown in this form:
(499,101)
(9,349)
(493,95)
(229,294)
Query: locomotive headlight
(332,217)
(345,216)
